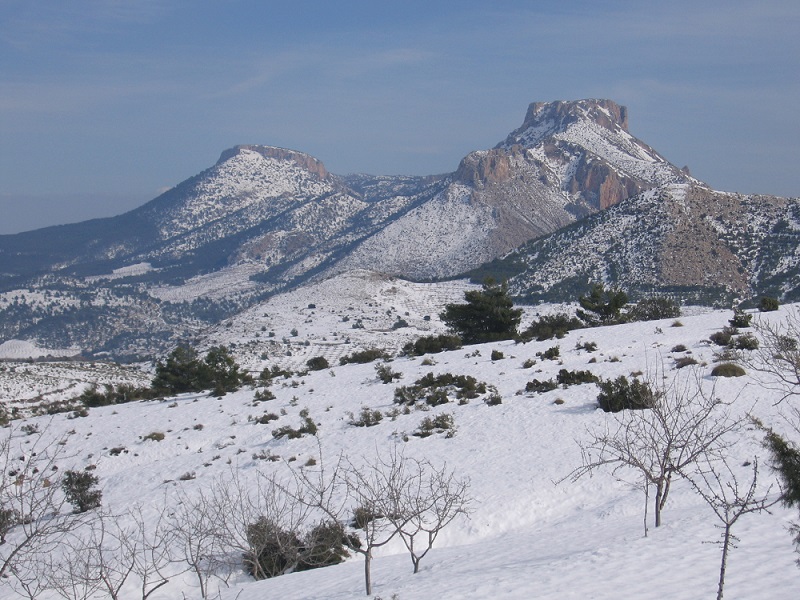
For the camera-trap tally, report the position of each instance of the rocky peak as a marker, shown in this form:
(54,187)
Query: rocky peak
(548,118)
(302,160)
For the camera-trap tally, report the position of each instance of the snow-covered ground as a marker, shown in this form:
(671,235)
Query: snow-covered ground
(528,536)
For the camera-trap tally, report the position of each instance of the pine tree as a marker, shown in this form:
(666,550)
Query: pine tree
(488,315)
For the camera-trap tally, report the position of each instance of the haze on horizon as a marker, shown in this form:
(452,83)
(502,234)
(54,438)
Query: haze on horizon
(106,103)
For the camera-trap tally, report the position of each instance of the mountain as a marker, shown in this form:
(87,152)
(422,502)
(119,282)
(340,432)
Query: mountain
(266,219)
(685,240)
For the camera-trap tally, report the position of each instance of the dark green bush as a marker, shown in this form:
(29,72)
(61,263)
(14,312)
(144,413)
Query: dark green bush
(364,356)
(653,309)
(267,418)
(435,389)
(723,338)
(497,355)
(318,363)
(768,304)
(386,374)
(568,378)
(679,348)
(550,354)
(443,423)
(601,306)
(588,346)
(325,545)
(746,342)
(367,417)
(620,394)
(432,344)
(540,387)
(308,427)
(79,490)
(727,370)
(183,371)
(740,319)
(551,326)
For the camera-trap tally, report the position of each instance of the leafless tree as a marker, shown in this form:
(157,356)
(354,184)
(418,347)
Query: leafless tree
(254,518)
(196,540)
(730,499)
(776,362)
(685,424)
(431,499)
(34,512)
(148,542)
(388,495)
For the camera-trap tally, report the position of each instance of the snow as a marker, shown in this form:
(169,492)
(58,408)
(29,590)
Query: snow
(528,536)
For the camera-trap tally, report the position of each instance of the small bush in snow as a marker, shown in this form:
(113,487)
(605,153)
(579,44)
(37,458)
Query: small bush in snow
(155,436)
(364,356)
(768,304)
(740,319)
(443,423)
(79,489)
(497,355)
(746,342)
(727,370)
(318,363)
(367,417)
(386,374)
(550,354)
(620,394)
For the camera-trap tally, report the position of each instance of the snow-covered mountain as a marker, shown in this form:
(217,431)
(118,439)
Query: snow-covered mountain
(265,219)
(681,239)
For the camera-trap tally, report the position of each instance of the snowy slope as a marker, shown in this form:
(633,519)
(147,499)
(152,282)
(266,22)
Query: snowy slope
(527,536)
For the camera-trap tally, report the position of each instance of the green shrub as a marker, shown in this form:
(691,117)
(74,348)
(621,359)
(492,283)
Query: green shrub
(568,378)
(723,338)
(494,399)
(155,436)
(325,545)
(386,374)
(768,304)
(432,344)
(367,417)
(263,395)
(620,394)
(746,342)
(551,326)
(588,346)
(267,418)
(318,363)
(601,306)
(653,309)
(679,348)
(540,387)
(727,370)
(79,490)
(183,371)
(435,389)
(740,319)
(308,427)
(364,356)
(550,354)
(443,423)
(273,551)
(497,355)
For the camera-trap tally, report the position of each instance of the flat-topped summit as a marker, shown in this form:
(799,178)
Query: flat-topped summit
(301,159)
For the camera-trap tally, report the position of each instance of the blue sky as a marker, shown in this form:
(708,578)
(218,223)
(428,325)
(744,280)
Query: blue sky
(103,103)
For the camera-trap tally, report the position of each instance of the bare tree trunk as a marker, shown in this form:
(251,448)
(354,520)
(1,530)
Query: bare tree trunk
(726,541)
(368,571)
(658,504)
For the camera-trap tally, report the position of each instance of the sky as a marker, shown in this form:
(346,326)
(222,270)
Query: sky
(104,104)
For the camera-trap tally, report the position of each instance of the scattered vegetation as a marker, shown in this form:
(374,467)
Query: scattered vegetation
(386,374)
(435,389)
